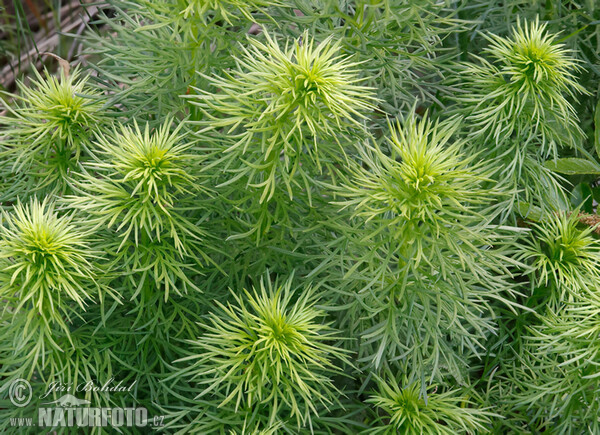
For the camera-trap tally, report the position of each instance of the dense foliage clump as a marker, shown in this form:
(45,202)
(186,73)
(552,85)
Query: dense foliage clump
(290,216)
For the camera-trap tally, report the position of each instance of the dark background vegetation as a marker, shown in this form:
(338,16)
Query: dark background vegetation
(30,29)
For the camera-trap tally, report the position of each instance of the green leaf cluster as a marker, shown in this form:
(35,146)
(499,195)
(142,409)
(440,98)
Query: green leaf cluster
(320,217)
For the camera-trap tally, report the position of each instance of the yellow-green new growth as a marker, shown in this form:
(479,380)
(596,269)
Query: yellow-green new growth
(535,63)
(423,190)
(305,83)
(45,262)
(144,172)
(269,350)
(520,90)
(48,131)
(424,172)
(141,189)
(58,108)
(283,110)
(562,255)
(152,162)
(406,411)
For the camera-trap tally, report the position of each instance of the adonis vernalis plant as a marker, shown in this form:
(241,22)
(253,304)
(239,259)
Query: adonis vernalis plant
(401,408)
(525,89)
(563,256)
(143,197)
(285,111)
(50,277)
(519,110)
(48,132)
(275,125)
(292,217)
(406,268)
(269,351)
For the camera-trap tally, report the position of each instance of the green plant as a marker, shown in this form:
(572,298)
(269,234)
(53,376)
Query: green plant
(48,133)
(563,256)
(524,90)
(143,197)
(553,380)
(406,411)
(424,262)
(301,102)
(519,112)
(50,276)
(270,352)
(408,189)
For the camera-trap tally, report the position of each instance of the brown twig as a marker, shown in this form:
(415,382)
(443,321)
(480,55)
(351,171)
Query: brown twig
(590,220)
(36,12)
(72,17)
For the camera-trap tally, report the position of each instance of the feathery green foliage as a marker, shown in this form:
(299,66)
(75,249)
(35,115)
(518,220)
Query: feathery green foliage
(425,262)
(408,188)
(46,260)
(287,111)
(562,255)
(268,351)
(48,132)
(405,410)
(143,196)
(522,92)
(519,112)
(49,277)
